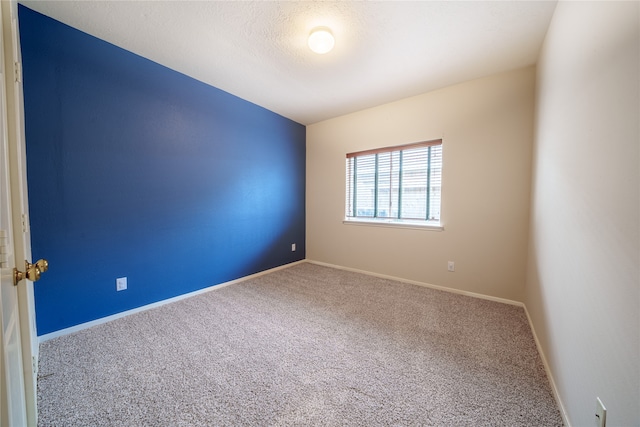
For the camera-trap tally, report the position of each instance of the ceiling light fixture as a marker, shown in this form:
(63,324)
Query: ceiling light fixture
(321,40)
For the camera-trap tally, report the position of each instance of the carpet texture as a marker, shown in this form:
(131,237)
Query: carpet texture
(306,345)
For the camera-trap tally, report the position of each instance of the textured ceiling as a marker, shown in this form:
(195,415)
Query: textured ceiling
(384,51)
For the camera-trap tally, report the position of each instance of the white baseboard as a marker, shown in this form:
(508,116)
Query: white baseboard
(415,282)
(76,328)
(552,382)
(554,389)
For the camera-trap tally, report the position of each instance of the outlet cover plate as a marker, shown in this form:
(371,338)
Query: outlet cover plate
(121,283)
(601,413)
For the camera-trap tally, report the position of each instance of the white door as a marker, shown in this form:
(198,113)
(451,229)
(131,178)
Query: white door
(12,392)
(19,347)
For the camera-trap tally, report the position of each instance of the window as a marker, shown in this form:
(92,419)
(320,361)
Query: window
(395,184)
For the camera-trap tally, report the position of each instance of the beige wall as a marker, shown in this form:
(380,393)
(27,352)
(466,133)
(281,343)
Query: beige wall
(583,281)
(487,131)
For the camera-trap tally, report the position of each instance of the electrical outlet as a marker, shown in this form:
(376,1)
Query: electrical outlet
(451,266)
(293,247)
(121,283)
(601,413)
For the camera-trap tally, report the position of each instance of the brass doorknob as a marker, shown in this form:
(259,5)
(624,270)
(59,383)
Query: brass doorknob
(31,271)
(42,265)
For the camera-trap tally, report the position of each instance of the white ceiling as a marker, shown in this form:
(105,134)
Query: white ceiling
(384,51)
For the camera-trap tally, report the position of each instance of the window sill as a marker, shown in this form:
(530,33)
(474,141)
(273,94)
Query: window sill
(395,224)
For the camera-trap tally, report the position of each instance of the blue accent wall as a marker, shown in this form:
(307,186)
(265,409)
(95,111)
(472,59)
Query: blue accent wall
(137,170)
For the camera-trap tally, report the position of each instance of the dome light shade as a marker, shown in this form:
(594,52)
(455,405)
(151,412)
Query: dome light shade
(321,40)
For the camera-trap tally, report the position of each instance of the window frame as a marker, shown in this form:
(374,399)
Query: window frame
(395,222)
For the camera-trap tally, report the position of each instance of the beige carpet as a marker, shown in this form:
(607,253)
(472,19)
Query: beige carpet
(307,345)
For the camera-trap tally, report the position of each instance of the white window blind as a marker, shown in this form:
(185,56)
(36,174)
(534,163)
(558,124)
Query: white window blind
(395,183)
